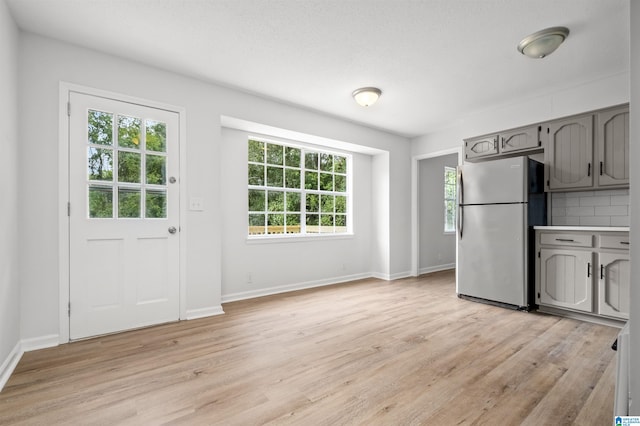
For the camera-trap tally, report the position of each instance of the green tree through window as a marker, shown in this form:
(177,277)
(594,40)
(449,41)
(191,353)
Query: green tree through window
(295,190)
(450,191)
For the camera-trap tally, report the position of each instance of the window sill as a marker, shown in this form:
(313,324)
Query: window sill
(276,239)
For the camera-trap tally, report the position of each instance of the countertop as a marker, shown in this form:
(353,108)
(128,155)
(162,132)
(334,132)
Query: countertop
(584,228)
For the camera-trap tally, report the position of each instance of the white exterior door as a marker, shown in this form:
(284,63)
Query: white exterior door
(124,216)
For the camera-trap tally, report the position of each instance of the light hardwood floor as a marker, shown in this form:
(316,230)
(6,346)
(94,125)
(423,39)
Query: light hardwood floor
(407,352)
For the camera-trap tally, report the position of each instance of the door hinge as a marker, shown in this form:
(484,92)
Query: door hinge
(68,209)
(69,109)
(547,183)
(538,295)
(69,309)
(538,255)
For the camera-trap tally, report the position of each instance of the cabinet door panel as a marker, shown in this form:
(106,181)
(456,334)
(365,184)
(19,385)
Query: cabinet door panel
(566,279)
(613,152)
(614,282)
(520,139)
(569,153)
(480,147)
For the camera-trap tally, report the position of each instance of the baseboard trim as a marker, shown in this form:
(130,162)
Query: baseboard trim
(204,312)
(437,268)
(243,295)
(10,364)
(41,342)
(611,322)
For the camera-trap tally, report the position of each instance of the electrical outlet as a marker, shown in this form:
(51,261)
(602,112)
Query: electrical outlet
(196,204)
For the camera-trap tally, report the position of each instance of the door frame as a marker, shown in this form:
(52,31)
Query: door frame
(415,220)
(64,242)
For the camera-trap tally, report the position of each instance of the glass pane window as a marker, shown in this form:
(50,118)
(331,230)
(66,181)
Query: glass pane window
(126,166)
(129,132)
(100,201)
(296,190)
(450,195)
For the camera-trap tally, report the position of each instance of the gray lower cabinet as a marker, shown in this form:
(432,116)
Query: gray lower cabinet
(584,272)
(565,279)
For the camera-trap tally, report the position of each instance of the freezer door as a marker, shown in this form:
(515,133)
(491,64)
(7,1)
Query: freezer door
(491,253)
(498,181)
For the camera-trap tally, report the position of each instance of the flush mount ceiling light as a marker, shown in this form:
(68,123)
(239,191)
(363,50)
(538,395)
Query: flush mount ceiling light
(366,96)
(544,42)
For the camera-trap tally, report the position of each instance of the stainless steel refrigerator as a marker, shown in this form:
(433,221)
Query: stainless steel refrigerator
(498,203)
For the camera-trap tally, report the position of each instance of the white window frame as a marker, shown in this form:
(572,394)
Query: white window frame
(447,170)
(302,235)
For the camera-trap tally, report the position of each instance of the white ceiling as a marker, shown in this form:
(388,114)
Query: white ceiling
(434,60)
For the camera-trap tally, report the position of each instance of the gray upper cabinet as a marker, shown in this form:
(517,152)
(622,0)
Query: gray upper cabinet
(613,147)
(569,153)
(480,147)
(520,139)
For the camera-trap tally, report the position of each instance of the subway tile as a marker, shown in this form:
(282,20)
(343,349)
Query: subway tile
(580,211)
(611,211)
(613,192)
(595,221)
(604,200)
(558,202)
(619,200)
(558,211)
(619,220)
(565,221)
(555,195)
(579,194)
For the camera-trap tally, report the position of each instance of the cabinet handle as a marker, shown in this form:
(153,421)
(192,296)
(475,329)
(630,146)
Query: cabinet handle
(589,170)
(565,240)
(602,272)
(601,168)
(626,243)
(588,269)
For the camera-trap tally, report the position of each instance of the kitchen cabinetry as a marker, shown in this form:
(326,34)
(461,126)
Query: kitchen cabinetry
(483,146)
(510,141)
(569,153)
(570,146)
(586,272)
(613,147)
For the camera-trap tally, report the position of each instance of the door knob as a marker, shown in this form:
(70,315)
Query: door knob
(172,230)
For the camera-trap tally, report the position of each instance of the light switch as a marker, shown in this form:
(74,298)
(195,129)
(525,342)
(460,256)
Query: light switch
(196,204)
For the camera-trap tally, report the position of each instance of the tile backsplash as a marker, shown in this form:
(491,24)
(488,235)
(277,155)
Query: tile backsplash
(590,208)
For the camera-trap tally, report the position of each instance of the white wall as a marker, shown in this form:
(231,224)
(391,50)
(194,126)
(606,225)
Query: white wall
(279,265)
(437,250)
(634,137)
(9,289)
(45,62)
(607,91)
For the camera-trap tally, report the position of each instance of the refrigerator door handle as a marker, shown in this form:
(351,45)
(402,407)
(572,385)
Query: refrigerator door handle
(460,202)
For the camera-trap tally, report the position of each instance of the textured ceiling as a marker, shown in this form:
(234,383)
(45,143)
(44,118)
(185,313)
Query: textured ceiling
(434,60)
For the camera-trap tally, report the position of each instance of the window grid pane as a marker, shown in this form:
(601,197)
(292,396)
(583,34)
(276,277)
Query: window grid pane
(450,195)
(294,190)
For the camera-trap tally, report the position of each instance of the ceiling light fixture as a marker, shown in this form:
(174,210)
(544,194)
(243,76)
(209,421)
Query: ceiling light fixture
(366,96)
(544,42)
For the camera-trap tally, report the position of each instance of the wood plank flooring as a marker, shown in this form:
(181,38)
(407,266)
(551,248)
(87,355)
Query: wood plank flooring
(406,352)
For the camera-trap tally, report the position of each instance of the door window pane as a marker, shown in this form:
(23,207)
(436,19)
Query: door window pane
(100,164)
(156,136)
(128,132)
(128,202)
(100,201)
(128,167)
(156,203)
(100,128)
(156,169)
